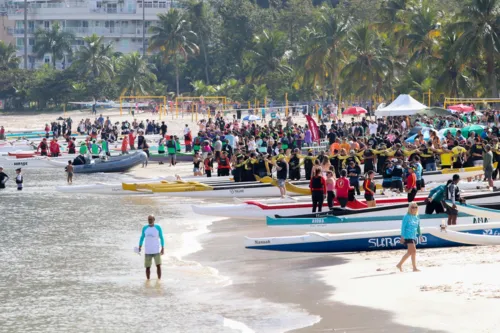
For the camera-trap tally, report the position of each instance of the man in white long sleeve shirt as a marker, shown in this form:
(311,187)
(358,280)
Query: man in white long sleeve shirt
(153,236)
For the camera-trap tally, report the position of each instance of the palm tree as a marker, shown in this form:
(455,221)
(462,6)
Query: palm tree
(54,41)
(202,89)
(450,70)
(480,32)
(267,55)
(322,51)
(95,57)
(8,58)
(370,65)
(173,38)
(200,24)
(134,77)
(423,31)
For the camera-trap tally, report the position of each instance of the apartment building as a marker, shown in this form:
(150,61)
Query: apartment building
(5,24)
(118,21)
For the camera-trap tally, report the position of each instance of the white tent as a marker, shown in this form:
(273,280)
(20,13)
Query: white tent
(404,105)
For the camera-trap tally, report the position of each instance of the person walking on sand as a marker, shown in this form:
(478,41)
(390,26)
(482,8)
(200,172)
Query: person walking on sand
(3,178)
(410,231)
(152,238)
(19,179)
(69,171)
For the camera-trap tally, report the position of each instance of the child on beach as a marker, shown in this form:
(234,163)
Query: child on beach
(19,179)
(69,171)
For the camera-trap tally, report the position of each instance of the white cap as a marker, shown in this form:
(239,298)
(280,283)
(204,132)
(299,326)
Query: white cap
(1,167)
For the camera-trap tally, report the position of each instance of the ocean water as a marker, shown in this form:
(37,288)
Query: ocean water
(67,264)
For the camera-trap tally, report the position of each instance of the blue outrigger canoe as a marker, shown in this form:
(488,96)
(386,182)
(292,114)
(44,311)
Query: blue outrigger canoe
(378,240)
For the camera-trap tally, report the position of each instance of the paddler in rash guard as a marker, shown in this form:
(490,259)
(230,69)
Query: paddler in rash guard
(261,166)
(294,165)
(223,165)
(95,150)
(308,163)
(83,149)
(248,168)
(43,146)
(238,168)
(152,238)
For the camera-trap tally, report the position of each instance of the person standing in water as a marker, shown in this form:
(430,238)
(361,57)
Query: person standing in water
(69,171)
(410,232)
(152,238)
(19,179)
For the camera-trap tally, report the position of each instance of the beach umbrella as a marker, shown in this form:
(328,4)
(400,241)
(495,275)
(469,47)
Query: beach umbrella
(452,130)
(355,111)
(461,108)
(434,112)
(478,129)
(251,117)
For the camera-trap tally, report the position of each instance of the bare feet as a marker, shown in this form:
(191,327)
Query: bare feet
(399,267)
(415,269)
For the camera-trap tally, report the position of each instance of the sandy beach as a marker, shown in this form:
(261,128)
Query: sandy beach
(456,291)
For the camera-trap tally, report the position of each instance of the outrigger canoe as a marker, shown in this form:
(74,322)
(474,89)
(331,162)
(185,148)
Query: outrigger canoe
(432,237)
(253,209)
(120,163)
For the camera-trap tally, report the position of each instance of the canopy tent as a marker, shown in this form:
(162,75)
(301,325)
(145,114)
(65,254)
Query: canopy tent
(404,105)
(461,108)
(355,111)
(433,112)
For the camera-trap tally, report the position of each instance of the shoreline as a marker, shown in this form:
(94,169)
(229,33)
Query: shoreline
(294,279)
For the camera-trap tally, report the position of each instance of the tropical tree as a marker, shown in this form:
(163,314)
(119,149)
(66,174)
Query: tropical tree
(200,23)
(322,55)
(267,55)
(202,89)
(134,77)
(95,58)
(173,38)
(55,41)
(8,58)
(369,65)
(479,30)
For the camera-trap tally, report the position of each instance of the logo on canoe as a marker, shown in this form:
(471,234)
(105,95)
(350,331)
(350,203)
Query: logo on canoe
(20,163)
(263,242)
(477,220)
(318,221)
(237,191)
(388,242)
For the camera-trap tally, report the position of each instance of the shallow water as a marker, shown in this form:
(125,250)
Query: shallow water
(67,263)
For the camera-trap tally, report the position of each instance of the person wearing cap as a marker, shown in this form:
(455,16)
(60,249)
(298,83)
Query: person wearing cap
(43,147)
(152,238)
(453,195)
(3,178)
(281,173)
(19,179)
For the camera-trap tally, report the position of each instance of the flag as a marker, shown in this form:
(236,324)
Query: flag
(313,127)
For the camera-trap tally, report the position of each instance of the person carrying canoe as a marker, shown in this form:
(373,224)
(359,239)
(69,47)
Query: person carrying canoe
(410,233)
(434,202)
(223,165)
(172,151)
(308,163)
(317,184)
(43,147)
(3,178)
(152,238)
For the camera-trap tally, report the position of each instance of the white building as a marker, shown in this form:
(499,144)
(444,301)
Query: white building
(119,21)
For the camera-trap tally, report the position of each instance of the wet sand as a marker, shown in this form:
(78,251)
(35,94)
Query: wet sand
(291,278)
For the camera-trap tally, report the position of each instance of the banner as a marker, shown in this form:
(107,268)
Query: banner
(314,128)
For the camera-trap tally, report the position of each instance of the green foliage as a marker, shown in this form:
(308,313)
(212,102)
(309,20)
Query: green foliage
(257,49)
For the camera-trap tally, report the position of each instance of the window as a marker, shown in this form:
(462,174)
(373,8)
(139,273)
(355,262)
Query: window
(85,24)
(46,60)
(31,41)
(20,42)
(46,24)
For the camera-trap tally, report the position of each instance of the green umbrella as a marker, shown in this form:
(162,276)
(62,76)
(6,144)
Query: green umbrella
(478,129)
(452,130)
(434,112)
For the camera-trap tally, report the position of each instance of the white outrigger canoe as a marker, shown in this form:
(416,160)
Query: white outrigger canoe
(35,162)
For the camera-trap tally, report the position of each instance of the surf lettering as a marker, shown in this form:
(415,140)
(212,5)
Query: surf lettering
(490,232)
(318,220)
(263,242)
(477,220)
(389,242)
